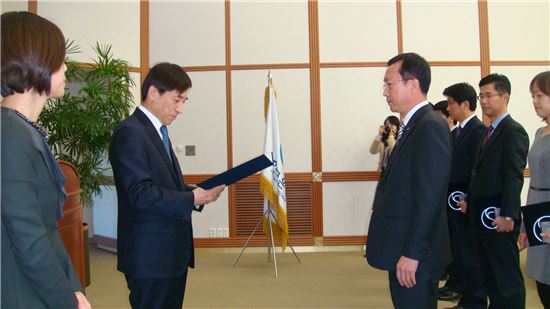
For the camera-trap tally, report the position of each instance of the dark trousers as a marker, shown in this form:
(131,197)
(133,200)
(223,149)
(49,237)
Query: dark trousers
(544,294)
(421,296)
(164,293)
(499,260)
(468,270)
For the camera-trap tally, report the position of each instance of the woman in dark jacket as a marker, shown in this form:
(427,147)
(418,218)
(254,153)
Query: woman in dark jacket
(36,269)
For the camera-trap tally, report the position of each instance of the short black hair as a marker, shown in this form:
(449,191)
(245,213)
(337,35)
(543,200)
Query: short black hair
(462,92)
(166,77)
(33,48)
(414,66)
(441,106)
(501,82)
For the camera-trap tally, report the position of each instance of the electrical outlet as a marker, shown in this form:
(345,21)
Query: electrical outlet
(212,232)
(219,232)
(225,232)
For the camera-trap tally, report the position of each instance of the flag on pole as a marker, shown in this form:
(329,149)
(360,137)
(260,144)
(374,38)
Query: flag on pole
(272,179)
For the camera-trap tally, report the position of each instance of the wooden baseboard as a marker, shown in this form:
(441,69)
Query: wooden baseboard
(258,241)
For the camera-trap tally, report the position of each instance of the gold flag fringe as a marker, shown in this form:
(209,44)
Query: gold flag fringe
(280,229)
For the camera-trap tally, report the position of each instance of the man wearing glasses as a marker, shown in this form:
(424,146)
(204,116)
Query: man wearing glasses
(493,201)
(408,233)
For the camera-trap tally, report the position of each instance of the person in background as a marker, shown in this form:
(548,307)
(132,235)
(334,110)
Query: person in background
(462,103)
(384,141)
(452,289)
(155,231)
(36,270)
(538,258)
(441,108)
(493,201)
(408,234)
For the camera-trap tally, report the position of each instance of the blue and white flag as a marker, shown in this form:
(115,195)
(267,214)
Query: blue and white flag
(272,179)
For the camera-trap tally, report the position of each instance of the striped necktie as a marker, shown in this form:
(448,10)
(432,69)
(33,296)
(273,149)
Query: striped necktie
(488,135)
(400,132)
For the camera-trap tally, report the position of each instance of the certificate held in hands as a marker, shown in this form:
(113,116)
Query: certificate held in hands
(237,173)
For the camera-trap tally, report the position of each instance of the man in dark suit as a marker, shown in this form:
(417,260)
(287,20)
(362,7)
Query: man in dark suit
(461,104)
(155,236)
(493,201)
(408,233)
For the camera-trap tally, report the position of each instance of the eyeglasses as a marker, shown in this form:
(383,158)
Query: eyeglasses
(488,96)
(388,84)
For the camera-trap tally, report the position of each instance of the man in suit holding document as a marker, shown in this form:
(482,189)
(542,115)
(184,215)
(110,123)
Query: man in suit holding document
(155,236)
(408,233)
(493,201)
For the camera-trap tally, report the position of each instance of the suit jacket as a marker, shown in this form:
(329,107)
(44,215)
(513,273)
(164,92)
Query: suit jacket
(155,236)
(36,270)
(408,217)
(464,151)
(498,169)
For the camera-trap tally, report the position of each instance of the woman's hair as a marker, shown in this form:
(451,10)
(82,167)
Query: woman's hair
(542,80)
(393,120)
(33,48)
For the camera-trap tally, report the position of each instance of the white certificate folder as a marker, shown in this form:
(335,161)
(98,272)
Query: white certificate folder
(237,173)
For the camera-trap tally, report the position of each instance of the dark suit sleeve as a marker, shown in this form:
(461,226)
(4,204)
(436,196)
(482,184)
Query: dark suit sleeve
(134,163)
(514,161)
(431,167)
(38,258)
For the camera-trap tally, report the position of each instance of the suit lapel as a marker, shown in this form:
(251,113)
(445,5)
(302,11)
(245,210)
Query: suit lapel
(466,129)
(409,128)
(494,137)
(157,141)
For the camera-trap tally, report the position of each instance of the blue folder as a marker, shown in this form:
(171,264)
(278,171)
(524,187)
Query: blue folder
(237,173)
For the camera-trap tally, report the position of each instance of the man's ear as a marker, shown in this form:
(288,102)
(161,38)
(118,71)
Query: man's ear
(152,93)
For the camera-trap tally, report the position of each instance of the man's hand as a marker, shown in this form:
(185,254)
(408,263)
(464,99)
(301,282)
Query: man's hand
(463,206)
(406,271)
(83,302)
(203,197)
(503,225)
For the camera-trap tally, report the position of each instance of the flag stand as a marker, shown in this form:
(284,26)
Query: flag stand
(271,244)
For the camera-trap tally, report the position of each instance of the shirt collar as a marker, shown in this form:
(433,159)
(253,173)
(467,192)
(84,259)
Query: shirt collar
(465,121)
(154,120)
(412,111)
(498,120)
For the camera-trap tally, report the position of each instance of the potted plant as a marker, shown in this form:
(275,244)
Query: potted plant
(80,123)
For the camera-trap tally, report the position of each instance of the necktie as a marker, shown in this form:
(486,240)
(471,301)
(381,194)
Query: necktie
(165,140)
(487,135)
(400,132)
(458,130)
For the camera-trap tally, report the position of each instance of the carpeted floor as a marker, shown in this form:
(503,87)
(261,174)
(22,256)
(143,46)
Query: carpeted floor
(322,280)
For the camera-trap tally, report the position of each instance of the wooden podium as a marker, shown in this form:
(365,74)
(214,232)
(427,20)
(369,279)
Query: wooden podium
(70,226)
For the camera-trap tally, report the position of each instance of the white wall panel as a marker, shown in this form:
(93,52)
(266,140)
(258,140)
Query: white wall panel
(520,105)
(203,124)
(214,215)
(441,30)
(357,31)
(88,22)
(269,31)
(352,109)
(347,207)
(8,6)
(293,107)
(189,33)
(519,30)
